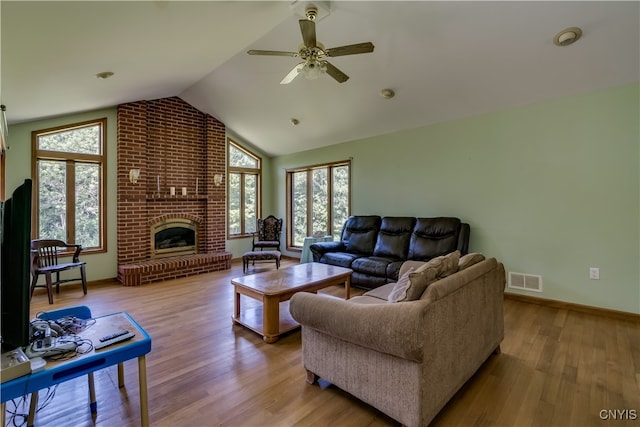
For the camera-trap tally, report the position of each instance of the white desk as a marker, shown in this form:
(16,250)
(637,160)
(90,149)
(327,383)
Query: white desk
(306,255)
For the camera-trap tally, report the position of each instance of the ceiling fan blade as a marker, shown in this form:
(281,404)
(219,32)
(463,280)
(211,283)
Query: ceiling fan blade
(272,53)
(308,29)
(292,74)
(335,73)
(351,49)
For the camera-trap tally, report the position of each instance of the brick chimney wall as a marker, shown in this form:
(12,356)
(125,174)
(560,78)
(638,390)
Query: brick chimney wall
(173,145)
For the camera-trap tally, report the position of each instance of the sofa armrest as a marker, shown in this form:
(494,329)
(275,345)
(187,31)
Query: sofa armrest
(320,248)
(402,334)
(463,238)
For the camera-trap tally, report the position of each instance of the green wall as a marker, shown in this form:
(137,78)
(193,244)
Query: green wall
(239,246)
(105,265)
(99,266)
(549,189)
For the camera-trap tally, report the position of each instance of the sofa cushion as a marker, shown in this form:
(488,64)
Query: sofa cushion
(423,276)
(360,233)
(393,270)
(394,236)
(366,299)
(371,265)
(381,292)
(469,259)
(433,237)
(341,259)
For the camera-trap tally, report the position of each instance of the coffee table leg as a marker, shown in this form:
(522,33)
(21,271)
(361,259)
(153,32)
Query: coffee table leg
(347,287)
(236,301)
(271,319)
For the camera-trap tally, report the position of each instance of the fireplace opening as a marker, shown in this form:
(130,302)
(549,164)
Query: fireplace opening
(174,237)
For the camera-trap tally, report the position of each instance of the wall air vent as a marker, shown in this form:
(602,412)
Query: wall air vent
(525,282)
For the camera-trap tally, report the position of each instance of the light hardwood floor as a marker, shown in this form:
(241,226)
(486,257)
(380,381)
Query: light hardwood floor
(557,368)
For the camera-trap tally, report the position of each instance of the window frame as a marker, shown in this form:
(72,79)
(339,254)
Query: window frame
(289,195)
(70,160)
(243,171)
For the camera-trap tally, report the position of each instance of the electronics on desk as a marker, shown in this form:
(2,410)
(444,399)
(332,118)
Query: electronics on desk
(64,326)
(51,346)
(14,364)
(37,364)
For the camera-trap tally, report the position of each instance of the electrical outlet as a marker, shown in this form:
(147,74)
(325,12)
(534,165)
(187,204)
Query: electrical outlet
(594,273)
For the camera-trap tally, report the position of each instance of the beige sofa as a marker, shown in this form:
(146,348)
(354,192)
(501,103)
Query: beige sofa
(409,358)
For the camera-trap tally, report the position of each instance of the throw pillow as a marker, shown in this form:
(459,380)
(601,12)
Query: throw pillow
(469,259)
(423,276)
(399,291)
(421,280)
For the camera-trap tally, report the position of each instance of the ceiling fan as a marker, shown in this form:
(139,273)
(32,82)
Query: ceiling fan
(313,53)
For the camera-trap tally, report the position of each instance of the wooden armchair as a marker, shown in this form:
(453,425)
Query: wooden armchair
(44,260)
(268,233)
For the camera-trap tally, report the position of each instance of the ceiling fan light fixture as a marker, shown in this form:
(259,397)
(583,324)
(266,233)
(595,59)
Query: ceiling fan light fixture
(313,69)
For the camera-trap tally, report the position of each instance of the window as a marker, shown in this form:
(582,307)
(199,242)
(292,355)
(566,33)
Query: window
(68,171)
(318,201)
(244,190)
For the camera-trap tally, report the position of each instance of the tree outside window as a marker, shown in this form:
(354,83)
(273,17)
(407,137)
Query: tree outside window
(318,201)
(68,173)
(244,191)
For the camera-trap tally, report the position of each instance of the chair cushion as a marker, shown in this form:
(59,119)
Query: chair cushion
(266,243)
(261,255)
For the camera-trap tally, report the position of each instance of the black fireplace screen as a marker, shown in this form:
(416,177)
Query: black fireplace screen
(174,237)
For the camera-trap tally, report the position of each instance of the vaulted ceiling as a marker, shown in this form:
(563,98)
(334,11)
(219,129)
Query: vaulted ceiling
(444,60)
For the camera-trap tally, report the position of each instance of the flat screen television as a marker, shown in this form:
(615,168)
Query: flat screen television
(15,256)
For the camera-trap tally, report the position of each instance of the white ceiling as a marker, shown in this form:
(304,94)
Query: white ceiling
(445,60)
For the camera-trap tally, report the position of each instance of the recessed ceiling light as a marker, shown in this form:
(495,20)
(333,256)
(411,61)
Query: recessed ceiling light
(567,36)
(387,93)
(104,75)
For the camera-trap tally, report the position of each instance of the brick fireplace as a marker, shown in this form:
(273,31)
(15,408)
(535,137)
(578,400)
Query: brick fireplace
(173,145)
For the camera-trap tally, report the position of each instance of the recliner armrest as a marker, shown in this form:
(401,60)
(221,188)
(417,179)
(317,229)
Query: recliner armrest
(463,238)
(403,334)
(320,248)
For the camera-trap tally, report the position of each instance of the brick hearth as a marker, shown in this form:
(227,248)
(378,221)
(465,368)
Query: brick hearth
(173,145)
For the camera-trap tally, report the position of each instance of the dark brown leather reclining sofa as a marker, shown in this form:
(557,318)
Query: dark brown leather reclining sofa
(375,248)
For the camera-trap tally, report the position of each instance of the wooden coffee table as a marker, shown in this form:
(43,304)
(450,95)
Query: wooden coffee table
(276,286)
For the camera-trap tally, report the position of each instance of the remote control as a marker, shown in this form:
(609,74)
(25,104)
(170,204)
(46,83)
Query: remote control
(114,335)
(114,338)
